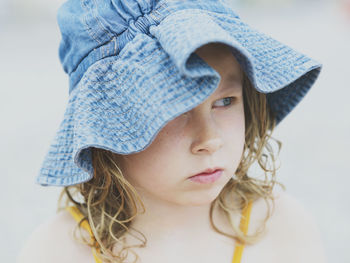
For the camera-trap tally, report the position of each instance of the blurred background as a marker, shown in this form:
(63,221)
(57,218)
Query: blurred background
(315,153)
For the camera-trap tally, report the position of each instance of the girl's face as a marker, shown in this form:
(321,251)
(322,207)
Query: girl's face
(210,135)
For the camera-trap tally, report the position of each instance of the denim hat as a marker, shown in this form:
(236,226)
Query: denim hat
(132,68)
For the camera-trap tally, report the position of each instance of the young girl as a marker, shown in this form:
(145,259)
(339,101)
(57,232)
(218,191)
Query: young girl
(170,105)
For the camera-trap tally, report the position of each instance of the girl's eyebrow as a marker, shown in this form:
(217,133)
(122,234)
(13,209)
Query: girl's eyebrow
(234,88)
(231,83)
(232,77)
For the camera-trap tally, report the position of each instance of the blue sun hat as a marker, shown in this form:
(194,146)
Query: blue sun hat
(132,68)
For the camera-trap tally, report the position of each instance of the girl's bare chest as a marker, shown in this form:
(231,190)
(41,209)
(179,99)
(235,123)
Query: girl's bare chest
(197,253)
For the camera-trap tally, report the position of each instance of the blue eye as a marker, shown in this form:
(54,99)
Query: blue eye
(228,101)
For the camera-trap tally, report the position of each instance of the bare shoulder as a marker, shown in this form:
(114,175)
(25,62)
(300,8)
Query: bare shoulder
(291,232)
(53,242)
(301,229)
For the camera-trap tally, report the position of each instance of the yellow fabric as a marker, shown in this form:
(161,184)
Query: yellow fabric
(77,215)
(237,256)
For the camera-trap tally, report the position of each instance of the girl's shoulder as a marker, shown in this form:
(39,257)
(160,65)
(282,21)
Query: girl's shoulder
(291,233)
(53,241)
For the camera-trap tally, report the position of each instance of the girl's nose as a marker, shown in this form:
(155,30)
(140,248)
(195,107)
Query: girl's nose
(206,135)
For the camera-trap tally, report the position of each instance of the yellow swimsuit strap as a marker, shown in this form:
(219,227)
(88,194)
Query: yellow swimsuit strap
(78,216)
(237,256)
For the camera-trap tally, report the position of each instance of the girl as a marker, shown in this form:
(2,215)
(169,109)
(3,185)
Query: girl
(170,105)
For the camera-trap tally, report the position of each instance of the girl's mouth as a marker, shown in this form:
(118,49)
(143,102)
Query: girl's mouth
(205,178)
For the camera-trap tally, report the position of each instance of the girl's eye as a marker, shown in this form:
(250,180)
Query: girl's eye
(227,101)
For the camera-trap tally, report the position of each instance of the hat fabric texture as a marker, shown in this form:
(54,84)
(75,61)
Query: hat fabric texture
(132,69)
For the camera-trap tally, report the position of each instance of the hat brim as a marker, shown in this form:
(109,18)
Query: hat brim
(123,101)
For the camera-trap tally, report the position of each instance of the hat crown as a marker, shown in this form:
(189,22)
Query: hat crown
(92,30)
(87,25)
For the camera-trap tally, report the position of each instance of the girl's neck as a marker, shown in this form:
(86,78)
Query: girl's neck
(173,221)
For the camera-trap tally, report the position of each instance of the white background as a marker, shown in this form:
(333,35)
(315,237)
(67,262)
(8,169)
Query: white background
(315,136)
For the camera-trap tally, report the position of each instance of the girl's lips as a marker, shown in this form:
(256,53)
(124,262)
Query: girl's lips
(209,171)
(207,177)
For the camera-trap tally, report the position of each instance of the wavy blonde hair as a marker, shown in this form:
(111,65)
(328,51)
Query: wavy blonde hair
(109,202)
